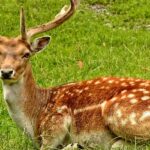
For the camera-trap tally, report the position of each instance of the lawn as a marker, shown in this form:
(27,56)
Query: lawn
(103,38)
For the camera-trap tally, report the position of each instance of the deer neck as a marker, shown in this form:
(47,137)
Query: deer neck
(23,101)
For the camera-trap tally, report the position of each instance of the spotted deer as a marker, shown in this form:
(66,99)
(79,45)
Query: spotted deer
(99,111)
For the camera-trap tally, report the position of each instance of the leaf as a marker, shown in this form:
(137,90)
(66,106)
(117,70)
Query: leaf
(80,64)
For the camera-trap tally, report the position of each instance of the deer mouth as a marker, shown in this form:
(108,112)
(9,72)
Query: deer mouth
(9,81)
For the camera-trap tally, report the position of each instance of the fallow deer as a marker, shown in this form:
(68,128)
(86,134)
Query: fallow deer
(88,112)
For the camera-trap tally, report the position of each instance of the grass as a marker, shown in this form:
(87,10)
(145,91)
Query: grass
(109,38)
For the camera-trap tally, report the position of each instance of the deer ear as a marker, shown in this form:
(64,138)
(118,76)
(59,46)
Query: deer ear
(40,43)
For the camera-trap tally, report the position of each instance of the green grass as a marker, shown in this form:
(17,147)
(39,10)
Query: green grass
(112,41)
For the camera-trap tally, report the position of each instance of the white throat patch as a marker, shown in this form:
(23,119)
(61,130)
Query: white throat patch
(13,98)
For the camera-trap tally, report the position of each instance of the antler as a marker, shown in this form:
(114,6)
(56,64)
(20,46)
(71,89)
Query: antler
(22,25)
(62,16)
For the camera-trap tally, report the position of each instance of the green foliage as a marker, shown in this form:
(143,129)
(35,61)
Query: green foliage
(109,37)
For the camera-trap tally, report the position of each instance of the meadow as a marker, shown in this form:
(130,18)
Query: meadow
(103,38)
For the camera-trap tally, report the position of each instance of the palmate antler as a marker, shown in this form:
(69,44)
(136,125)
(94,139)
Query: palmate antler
(63,15)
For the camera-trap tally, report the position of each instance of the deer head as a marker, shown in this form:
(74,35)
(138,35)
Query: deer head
(16,52)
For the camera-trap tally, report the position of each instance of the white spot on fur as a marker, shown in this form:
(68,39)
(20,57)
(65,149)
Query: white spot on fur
(146,92)
(103,106)
(144,98)
(124,91)
(133,101)
(144,84)
(132,118)
(135,90)
(102,87)
(145,115)
(141,90)
(86,88)
(124,84)
(54,92)
(132,83)
(116,105)
(97,82)
(110,120)
(111,81)
(77,90)
(138,80)
(72,83)
(124,122)
(68,92)
(63,89)
(119,113)
(130,95)
(71,94)
(113,99)
(123,97)
(105,78)
(89,82)
(61,109)
(80,91)
(122,79)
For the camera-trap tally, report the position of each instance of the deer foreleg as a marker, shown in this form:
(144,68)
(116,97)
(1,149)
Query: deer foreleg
(57,129)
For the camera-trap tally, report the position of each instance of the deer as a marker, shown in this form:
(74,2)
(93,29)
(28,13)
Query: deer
(107,111)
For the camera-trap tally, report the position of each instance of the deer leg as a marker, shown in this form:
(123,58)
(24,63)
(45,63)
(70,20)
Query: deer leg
(129,118)
(120,144)
(74,146)
(57,129)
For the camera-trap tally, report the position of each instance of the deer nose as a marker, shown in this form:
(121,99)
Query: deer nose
(6,73)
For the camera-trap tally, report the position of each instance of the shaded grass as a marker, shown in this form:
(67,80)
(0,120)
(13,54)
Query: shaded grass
(115,42)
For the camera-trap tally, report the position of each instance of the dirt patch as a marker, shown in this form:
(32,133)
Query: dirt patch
(99,8)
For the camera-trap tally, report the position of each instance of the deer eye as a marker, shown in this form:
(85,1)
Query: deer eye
(26,55)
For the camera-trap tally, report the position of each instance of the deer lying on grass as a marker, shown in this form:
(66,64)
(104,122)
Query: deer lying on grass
(94,111)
